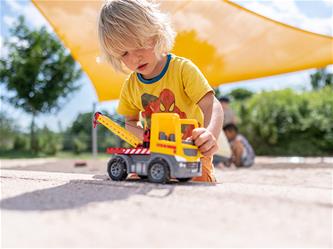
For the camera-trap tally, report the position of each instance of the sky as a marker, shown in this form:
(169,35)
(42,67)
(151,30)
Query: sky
(311,15)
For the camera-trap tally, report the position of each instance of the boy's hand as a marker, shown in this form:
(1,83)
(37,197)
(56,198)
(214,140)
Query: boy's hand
(205,141)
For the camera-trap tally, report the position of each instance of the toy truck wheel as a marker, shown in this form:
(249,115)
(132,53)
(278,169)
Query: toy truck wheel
(117,169)
(184,179)
(158,172)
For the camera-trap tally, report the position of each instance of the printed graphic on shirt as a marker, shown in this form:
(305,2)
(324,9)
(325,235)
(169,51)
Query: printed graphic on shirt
(165,102)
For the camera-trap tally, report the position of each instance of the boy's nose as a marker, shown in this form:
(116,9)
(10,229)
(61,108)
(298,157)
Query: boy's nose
(137,58)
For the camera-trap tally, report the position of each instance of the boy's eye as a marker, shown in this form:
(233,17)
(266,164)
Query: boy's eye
(124,54)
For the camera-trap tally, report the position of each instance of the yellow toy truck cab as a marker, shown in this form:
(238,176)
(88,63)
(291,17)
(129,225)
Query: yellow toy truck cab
(166,137)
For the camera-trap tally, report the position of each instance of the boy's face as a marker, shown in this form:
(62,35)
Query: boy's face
(143,61)
(224,104)
(230,134)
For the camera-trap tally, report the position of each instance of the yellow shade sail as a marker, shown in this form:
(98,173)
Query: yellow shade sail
(226,41)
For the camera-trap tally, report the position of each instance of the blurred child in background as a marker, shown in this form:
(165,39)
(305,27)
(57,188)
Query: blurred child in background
(242,152)
(229,115)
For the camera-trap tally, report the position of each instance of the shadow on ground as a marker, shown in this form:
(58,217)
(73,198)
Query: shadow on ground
(78,193)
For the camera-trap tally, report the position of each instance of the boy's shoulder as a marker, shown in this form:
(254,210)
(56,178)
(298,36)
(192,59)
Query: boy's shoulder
(241,137)
(131,78)
(183,63)
(180,59)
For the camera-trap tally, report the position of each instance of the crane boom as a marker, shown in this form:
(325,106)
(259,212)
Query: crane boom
(117,129)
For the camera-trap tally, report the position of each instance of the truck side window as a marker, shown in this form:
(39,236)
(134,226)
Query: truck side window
(172,137)
(162,136)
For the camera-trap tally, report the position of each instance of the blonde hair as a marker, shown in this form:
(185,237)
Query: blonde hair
(124,23)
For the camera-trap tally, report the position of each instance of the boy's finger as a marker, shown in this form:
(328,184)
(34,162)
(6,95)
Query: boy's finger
(210,152)
(206,146)
(197,132)
(201,139)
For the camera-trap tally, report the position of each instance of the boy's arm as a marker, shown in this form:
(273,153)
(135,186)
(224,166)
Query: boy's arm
(133,125)
(238,152)
(206,138)
(213,113)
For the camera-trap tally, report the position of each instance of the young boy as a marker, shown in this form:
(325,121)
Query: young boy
(242,152)
(135,34)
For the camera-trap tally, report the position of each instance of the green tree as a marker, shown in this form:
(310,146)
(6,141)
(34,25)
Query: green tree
(321,78)
(240,94)
(38,72)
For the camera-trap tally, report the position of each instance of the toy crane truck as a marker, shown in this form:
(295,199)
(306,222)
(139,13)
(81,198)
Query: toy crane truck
(162,154)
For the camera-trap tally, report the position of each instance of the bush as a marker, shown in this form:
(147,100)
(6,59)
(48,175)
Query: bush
(80,143)
(285,122)
(21,142)
(8,130)
(48,142)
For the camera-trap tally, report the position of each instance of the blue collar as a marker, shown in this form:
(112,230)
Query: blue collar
(158,77)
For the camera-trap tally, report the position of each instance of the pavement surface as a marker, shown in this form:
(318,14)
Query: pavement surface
(52,203)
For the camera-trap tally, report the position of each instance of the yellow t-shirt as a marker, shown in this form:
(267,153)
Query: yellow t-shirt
(178,88)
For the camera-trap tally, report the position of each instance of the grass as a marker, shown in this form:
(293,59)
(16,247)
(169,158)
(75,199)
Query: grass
(61,155)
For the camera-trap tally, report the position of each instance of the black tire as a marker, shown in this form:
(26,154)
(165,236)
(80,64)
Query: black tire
(184,179)
(158,171)
(143,177)
(117,169)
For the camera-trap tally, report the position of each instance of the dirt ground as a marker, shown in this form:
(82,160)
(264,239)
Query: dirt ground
(52,203)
